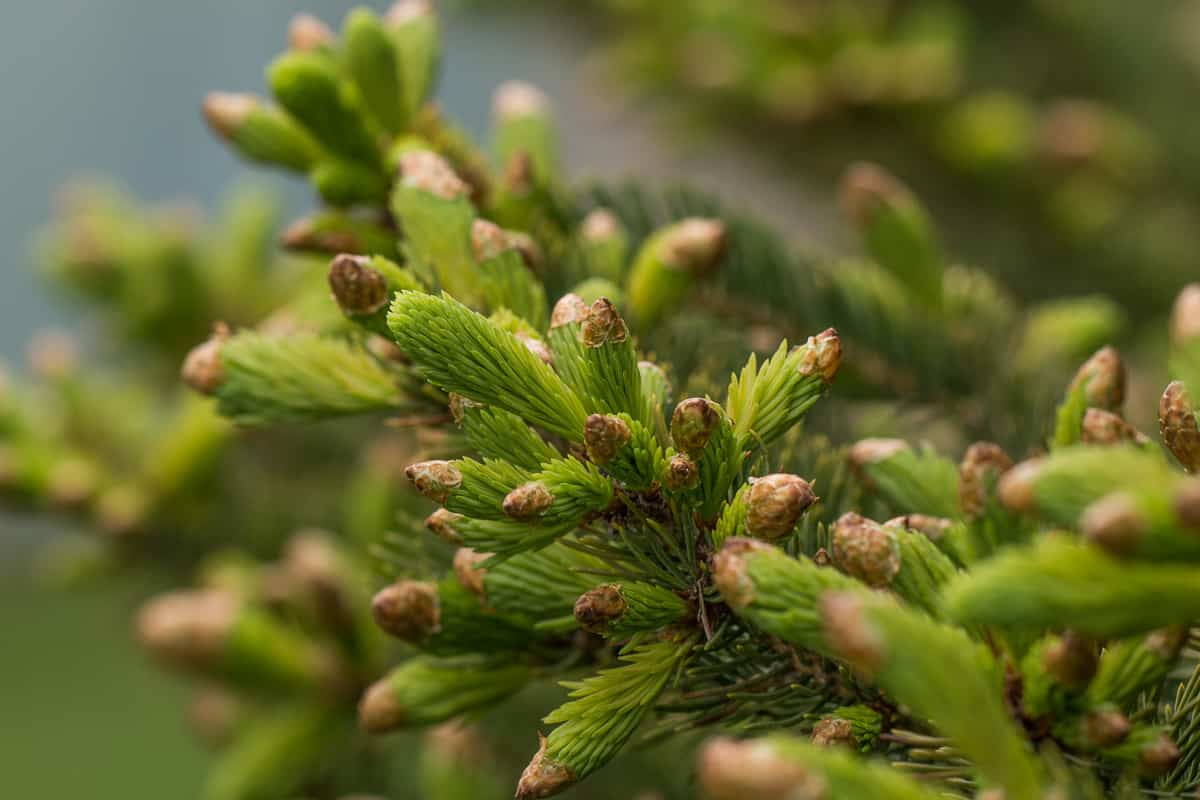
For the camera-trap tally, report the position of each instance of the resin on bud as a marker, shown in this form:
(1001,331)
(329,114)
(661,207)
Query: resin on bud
(1102,378)
(436,479)
(693,423)
(528,501)
(1178,426)
(603,436)
(774,504)
(407,610)
(866,550)
(202,369)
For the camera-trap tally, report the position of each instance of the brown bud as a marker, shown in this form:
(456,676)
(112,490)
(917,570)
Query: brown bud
(694,245)
(468,570)
(865,549)
(934,528)
(306,32)
(693,422)
(682,473)
(408,610)
(569,309)
(189,628)
(488,240)
(596,608)
(528,248)
(307,234)
(429,172)
(1166,643)
(528,501)
(543,777)
(982,465)
(1103,376)
(442,523)
(517,99)
(437,479)
(866,452)
(312,558)
(774,503)
(1106,727)
(733,770)
(1016,486)
(1187,503)
(459,406)
(1115,523)
(823,355)
(202,368)
(1185,315)
(604,436)
(1102,427)
(379,710)
(831,732)
(599,225)
(356,287)
(518,173)
(1177,423)
(537,347)
(848,632)
(603,325)
(1158,757)
(729,571)
(225,111)
(865,189)
(1071,659)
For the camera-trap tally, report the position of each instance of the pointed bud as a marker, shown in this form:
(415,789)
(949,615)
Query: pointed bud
(848,633)
(468,571)
(516,99)
(603,325)
(865,549)
(1177,424)
(407,610)
(202,368)
(694,245)
(543,777)
(356,287)
(981,467)
(226,112)
(1103,376)
(833,732)
(693,423)
(733,770)
(934,528)
(569,309)
(429,172)
(1102,427)
(1015,488)
(1115,523)
(442,523)
(437,479)
(604,435)
(681,473)
(1185,315)
(1158,757)
(823,355)
(729,571)
(600,225)
(1071,659)
(596,608)
(306,32)
(528,501)
(774,503)
(1106,727)
(379,710)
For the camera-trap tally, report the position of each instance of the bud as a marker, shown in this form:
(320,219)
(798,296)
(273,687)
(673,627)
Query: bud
(604,436)
(306,32)
(729,571)
(528,248)
(226,112)
(596,608)
(1015,488)
(488,240)
(408,610)
(516,99)
(733,770)
(1185,315)
(603,325)
(259,132)
(1187,503)
(202,368)
(404,11)
(356,287)
(693,422)
(1158,757)
(823,355)
(187,628)
(681,473)
(468,571)
(537,347)
(1106,727)
(1115,523)
(934,528)
(1177,423)
(774,503)
(213,715)
(1071,659)
(323,233)
(437,479)
(1103,376)
(866,452)
(694,245)
(428,172)
(848,633)
(832,732)
(543,777)
(379,710)
(599,225)
(865,549)
(982,465)
(459,406)
(865,189)
(569,309)
(442,523)
(1102,427)
(528,501)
